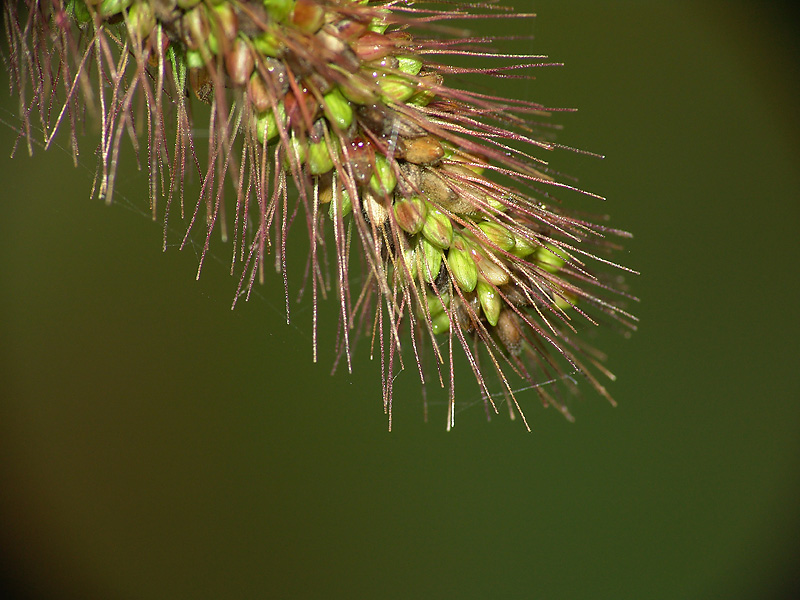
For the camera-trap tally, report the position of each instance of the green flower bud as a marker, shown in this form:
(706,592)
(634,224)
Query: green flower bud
(319,157)
(337,109)
(488,269)
(409,64)
(141,20)
(430,260)
(522,246)
(407,265)
(463,268)
(550,258)
(357,91)
(279,9)
(267,43)
(410,214)
(395,88)
(437,228)
(110,8)
(79,11)
(383,179)
(490,300)
(563,300)
(297,151)
(424,94)
(498,235)
(437,304)
(440,323)
(194,60)
(378,24)
(267,125)
(340,203)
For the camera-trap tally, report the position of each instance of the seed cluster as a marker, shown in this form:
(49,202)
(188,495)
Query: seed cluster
(462,235)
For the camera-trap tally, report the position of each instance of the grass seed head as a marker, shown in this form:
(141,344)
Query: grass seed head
(460,230)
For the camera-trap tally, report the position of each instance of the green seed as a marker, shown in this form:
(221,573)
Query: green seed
(437,304)
(110,8)
(490,300)
(394,88)
(79,11)
(437,228)
(141,20)
(194,60)
(319,158)
(267,125)
(337,109)
(407,264)
(410,214)
(522,246)
(550,258)
(409,64)
(267,44)
(340,203)
(297,151)
(498,235)
(279,9)
(430,260)
(463,268)
(383,178)
(440,323)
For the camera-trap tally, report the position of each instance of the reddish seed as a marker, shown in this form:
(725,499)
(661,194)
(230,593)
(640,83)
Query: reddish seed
(239,62)
(361,157)
(308,16)
(372,46)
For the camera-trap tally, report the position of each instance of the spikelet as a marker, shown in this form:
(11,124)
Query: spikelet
(338,112)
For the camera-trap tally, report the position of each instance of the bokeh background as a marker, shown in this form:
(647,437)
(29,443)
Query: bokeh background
(156,444)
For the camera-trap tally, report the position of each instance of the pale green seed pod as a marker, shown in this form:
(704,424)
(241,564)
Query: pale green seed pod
(410,214)
(463,268)
(430,259)
(337,109)
(383,179)
(498,235)
(550,258)
(437,228)
(490,300)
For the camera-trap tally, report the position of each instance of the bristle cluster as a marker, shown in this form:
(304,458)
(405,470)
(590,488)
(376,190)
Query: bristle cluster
(459,231)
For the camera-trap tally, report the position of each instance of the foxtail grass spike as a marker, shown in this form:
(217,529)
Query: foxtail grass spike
(445,229)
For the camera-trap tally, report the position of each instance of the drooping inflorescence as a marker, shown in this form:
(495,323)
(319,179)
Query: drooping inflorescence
(446,229)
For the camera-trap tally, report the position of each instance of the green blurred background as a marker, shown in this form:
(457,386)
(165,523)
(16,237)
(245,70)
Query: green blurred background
(155,444)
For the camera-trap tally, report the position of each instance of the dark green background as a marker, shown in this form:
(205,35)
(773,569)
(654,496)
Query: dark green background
(157,445)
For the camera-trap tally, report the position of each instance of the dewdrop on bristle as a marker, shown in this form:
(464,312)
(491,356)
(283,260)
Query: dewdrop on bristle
(340,113)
